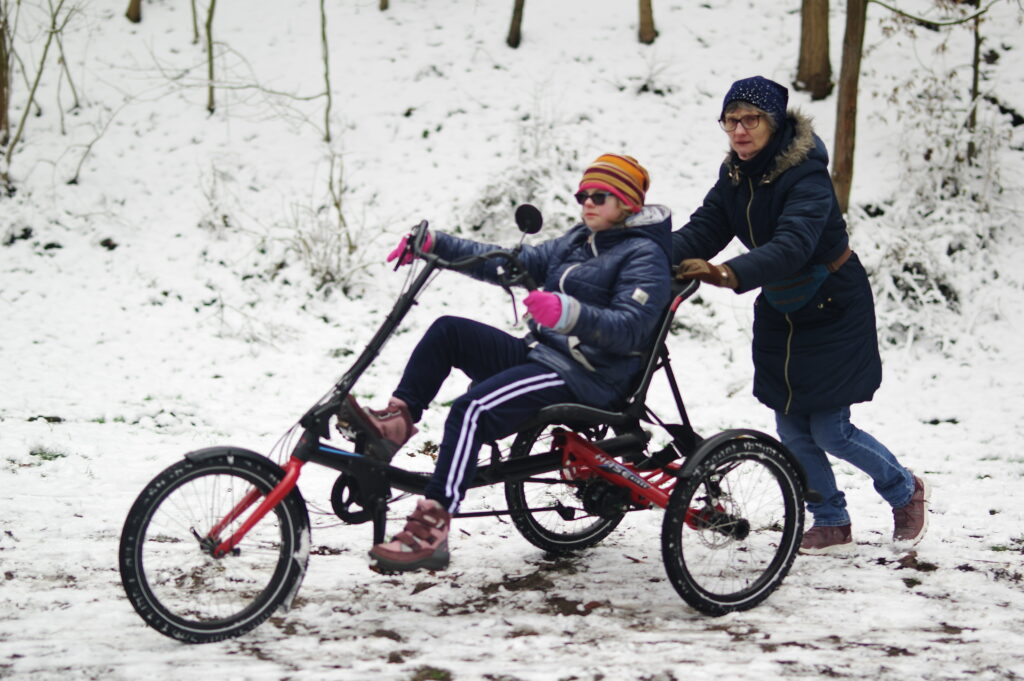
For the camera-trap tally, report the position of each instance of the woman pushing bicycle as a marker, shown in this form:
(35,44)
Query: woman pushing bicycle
(605,285)
(815,345)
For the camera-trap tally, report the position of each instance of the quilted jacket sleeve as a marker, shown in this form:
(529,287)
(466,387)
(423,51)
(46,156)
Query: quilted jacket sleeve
(534,258)
(640,294)
(707,232)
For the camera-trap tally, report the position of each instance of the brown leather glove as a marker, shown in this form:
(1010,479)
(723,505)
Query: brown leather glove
(716,275)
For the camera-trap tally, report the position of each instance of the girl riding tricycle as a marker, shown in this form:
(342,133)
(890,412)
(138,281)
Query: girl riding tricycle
(220,540)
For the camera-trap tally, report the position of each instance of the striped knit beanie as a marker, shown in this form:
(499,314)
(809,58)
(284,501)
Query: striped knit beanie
(623,176)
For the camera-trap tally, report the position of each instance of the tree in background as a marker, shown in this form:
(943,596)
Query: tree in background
(515,33)
(849,77)
(58,17)
(6,61)
(326,53)
(814,69)
(647,31)
(210,104)
(134,12)
(846,102)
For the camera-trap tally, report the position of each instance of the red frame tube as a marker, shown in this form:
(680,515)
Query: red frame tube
(583,459)
(280,491)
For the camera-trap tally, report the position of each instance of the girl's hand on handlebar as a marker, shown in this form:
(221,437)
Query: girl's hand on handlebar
(403,253)
(544,307)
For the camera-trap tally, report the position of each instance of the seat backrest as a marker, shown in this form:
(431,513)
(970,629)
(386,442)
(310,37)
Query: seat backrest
(681,290)
(632,411)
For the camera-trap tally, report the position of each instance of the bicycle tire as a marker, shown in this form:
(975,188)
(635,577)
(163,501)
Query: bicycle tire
(176,585)
(549,529)
(732,529)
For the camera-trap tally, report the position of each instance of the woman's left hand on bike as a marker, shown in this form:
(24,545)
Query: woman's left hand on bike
(544,307)
(406,254)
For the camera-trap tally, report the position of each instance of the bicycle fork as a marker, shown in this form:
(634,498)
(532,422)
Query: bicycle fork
(219,548)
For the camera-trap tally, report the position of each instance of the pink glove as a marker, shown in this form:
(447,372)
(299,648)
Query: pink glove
(544,307)
(408,256)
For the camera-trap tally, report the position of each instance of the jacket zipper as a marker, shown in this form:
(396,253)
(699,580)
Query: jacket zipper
(750,202)
(789,337)
(785,371)
(561,279)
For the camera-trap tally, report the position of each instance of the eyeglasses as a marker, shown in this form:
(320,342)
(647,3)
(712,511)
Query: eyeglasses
(597,197)
(749,122)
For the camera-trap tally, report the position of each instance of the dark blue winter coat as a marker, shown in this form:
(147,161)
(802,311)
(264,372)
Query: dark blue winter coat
(781,205)
(617,284)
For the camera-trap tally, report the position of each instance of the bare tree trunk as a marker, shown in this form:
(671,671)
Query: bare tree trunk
(327,72)
(515,33)
(134,12)
(383,5)
(846,104)
(195,25)
(972,121)
(814,70)
(210,104)
(647,31)
(5,79)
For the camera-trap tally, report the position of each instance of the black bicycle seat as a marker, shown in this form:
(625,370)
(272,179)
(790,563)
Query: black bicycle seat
(580,415)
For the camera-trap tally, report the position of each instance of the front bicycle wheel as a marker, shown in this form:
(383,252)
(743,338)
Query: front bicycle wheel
(732,529)
(167,564)
(548,510)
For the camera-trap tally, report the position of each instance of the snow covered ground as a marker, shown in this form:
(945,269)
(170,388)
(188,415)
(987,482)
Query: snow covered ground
(156,307)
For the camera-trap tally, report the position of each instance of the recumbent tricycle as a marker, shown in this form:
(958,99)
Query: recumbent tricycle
(218,541)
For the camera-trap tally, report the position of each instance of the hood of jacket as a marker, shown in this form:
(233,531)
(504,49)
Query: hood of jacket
(653,222)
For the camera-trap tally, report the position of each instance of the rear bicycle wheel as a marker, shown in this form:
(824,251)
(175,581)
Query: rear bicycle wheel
(548,510)
(167,568)
(732,530)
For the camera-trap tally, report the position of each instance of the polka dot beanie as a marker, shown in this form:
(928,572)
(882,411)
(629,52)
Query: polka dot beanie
(765,94)
(622,175)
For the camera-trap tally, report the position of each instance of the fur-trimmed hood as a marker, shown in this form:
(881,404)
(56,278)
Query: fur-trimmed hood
(793,154)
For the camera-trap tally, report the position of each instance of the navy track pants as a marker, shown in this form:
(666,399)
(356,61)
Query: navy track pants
(508,389)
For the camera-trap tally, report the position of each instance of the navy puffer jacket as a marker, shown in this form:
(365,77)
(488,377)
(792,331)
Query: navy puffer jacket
(618,285)
(781,205)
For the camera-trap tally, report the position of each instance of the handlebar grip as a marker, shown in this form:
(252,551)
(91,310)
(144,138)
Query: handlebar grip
(417,237)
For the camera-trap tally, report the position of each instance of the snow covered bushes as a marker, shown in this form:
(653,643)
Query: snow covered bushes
(543,169)
(933,240)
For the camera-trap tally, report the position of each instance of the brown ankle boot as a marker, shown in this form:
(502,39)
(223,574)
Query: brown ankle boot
(386,429)
(911,521)
(421,545)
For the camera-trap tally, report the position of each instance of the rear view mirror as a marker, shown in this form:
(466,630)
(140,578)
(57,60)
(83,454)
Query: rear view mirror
(529,219)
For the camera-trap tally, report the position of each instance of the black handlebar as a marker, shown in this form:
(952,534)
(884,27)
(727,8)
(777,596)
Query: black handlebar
(514,273)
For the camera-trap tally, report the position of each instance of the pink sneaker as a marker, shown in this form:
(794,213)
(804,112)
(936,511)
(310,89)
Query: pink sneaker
(824,539)
(386,429)
(911,521)
(422,544)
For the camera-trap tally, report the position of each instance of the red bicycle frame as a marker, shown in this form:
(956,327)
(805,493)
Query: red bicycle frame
(582,460)
(280,491)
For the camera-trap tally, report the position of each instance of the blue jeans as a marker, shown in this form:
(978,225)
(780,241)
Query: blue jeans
(810,436)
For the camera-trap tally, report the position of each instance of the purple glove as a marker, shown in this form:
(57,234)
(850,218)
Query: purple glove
(544,307)
(393,255)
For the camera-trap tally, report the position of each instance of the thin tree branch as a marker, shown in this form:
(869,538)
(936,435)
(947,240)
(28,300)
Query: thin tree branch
(930,22)
(39,75)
